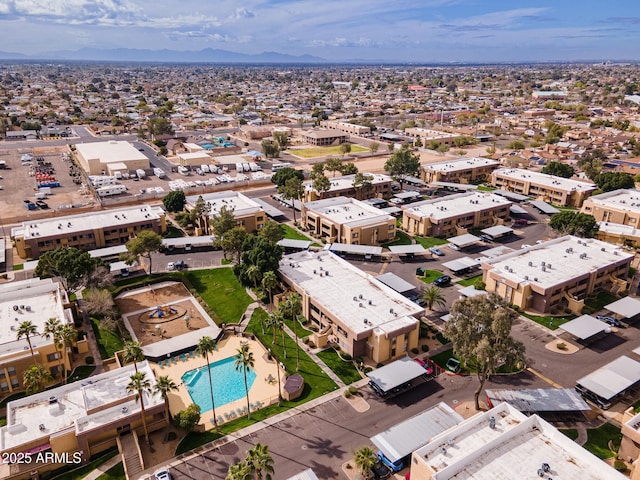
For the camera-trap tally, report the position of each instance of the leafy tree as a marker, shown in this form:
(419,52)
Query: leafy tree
(373,147)
(98,301)
(174,201)
(222,222)
(132,353)
(245,362)
(574,223)
(164,386)
(53,329)
(365,459)
(207,345)
(159,126)
(188,418)
(362,183)
(270,149)
(345,149)
(554,132)
(269,282)
(516,145)
(559,169)
(259,460)
(292,190)
(140,384)
(272,231)
(281,139)
(71,265)
(418,142)
(443,148)
(258,251)
(281,176)
(609,181)
(200,214)
(239,471)
(480,331)
(275,321)
(333,165)
(144,244)
(233,241)
(348,168)
(321,184)
(35,378)
(433,296)
(591,163)
(27,330)
(402,164)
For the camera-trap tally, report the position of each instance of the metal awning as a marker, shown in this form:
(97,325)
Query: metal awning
(108,251)
(627,307)
(532,400)
(393,281)
(497,231)
(117,266)
(516,197)
(544,207)
(407,195)
(455,186)
(391,210)
(291,243)
(406,249)
(497,251)
(269,209)
(355,249)
(463,241)
(396,373)
(613,378)
(203,241)
(470,291)
(584,327)
(517,210)
(460,264)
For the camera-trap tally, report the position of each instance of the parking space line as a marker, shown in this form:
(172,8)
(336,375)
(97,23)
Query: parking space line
(546,379)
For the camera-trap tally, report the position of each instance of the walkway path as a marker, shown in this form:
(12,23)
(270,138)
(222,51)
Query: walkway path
(112,462)
(582,434)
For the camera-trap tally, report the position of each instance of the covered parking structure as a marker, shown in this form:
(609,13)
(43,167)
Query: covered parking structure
(497,231)
(514,197)
(461,265)
(608,383)
(188,243)
(291,245)
(408,251)
(406,197)
(627,308)
(464,241)
(269,209)
(586,328)
(545,401)
(369,252)
(396,376)
(400,285)
(544,207)
(517,210)
(454,187)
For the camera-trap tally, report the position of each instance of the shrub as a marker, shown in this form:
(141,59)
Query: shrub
(368,369)
(620,465)
(425,348)
(347,394)
(172,436)
(352,390)
(347,357)
(415,351)
(359,360)
(561,346)
(379,365)
(89,360)
(188,418)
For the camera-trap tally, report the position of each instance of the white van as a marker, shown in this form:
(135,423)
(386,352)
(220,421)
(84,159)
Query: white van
(158,172)
(205,168)
(182,170)
(239,168)
(279,166)
(140,173)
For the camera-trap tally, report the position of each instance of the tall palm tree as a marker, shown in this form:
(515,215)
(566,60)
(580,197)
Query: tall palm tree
(35,378)
(140,384)
(207,345)
(259,460)
(27,329)
(244,362)
(276,322)
(293,307)
(365,459)
(239,471)
(53,329)
(433,296)
(269,282)
(133,353)
(253,274)
(69,335)
(164,385)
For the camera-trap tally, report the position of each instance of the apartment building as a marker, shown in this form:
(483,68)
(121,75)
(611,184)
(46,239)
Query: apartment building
(78,420)
(324,138)
(350,307)
(426,135)
(461,170)
(342,186)
(86,231)
(248,213)
(347,220)
(558,274)
(35,300)
(454,214)
(617,214)
(346,127)
(107,158)
(549,188)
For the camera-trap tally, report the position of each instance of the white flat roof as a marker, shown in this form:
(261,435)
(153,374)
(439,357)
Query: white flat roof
(516,448)
(307,474)
(538,178)
(497,230)
(112,151)
(626,307)
(68,225)
(404,249)
(395,282)
(456,205)
(622,200)
(199,155)
(461,264)
(540,399)
(617,229)
(384,309)
(80,405)
(613,378)
(33,300)
(396,373)
(557,261)
(459,164)
(345,182)
(241,204)
(585,326)
(348,211)
(464,240)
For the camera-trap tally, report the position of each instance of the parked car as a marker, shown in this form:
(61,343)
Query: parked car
(171,266)
(436,251)
(525,245)
(521,221)
(614,322)
(42,204)
(180,265)
(162,475)
(380,471)
(442,281)
(486,238)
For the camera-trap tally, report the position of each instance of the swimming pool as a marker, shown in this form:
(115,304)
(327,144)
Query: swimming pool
(228,383)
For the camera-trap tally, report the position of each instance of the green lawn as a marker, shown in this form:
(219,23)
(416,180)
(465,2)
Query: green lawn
(83,471)
(300,330)
(428,242)
(430,275)
(81,372)
(598,440)
(401,239)
(18,266)
(114,473)
(292,234)
(323,151)
(597,302)
(346,370)
(548,321)
(469,281)
(220,289)
(173,232)
(109,341)
(572,433)
(484,188)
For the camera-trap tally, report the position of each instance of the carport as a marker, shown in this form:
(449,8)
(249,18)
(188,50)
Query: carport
(539,400)
(627,307)
(367,251)
(291,245)
(497,251)
(188,242)
(470,291)
(463,241)
(395,376)
(610,381)
(406,197)
(461,265)
(396,283)
(457,187)
(514,197)
(544,207)
(498,231)
(517,210)
(585,328)
(270,210)
(407,250)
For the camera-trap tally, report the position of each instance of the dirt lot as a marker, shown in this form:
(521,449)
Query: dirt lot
(147,330)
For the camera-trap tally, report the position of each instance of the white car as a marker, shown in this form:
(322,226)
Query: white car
(162,475)
(525,245)
(171,266)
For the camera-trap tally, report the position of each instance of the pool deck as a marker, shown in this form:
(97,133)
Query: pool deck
(263,392)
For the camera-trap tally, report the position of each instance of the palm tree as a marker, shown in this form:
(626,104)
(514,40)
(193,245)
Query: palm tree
(244,362)
(139,384)
(164,385)
(365,459)
(27,329)
(53,329)
(259,460)
(269,282)
(433,296)
(253,274)
(276,321)
(239,471)
(132,353)
(35,378)
(207,345)
(293,306)
(69,335)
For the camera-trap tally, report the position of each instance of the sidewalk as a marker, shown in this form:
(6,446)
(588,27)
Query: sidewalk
(103,468)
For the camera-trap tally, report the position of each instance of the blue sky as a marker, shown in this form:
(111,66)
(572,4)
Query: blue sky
(392,30)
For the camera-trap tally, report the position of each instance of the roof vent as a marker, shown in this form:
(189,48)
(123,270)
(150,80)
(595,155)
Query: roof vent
(360,304)
(370,302)
(391,310)
(124,409)
(492,422)
(53,399)
(355,299)
(530,264)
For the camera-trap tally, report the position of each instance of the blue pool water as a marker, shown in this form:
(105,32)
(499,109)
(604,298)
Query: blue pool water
(228,384)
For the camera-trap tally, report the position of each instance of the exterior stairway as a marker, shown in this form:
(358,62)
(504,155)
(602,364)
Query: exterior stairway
(131,455)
